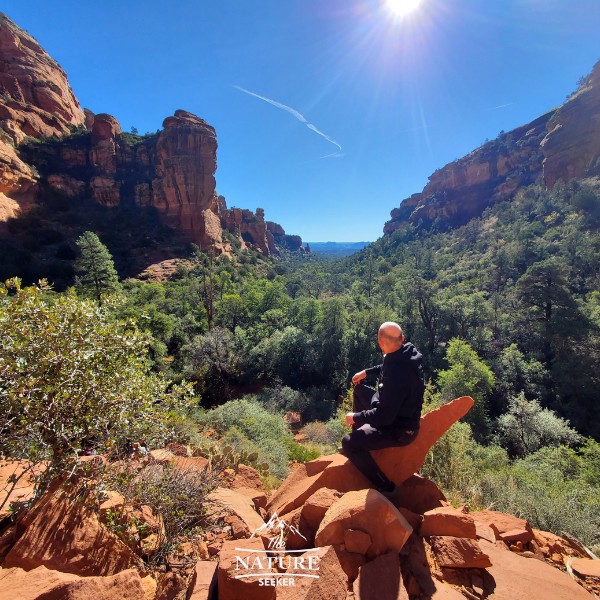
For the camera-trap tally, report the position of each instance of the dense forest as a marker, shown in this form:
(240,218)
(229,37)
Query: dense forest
(505,309)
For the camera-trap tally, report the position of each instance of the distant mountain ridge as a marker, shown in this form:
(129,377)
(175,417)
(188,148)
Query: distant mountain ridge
(337,249)
(563,144)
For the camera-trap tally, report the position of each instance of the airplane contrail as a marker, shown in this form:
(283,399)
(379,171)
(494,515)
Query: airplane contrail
(501,106)
(292,112)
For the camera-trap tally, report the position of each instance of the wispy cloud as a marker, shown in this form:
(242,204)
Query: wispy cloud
(298,116)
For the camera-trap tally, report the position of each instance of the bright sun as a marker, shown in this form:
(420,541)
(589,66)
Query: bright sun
(402,7)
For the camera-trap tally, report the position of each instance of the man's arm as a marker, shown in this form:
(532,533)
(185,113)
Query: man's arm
(358,377)
(389,403)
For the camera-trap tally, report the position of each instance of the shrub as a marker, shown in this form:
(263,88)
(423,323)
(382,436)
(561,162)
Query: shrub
(178,495)
(319,433)
(267,432)
(527,427)
(71,376)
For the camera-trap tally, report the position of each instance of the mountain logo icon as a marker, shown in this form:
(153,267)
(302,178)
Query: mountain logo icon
(277,531)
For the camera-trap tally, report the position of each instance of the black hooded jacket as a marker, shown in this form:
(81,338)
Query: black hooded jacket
(397,405)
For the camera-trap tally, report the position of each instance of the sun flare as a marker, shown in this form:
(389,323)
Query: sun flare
(401,8)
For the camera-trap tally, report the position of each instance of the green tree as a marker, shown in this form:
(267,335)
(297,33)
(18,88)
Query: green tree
(72,376)
(96,274)
(468,375)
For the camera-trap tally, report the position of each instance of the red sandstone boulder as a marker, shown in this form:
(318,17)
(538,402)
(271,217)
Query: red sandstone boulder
(380,579)
(419,495)
(17,584)
(204,581)
(367,511)
(63,534)
(517,578)
(462,553)
(357,541)
(329,582)
(258,497)
(338,473)
(506,527)
(247,477)
(242,564)
(448,521)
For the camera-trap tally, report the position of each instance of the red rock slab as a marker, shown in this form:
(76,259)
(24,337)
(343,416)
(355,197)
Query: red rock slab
(443,591)
(419,494)
(329,582)
(414,519)
(204,581)
(502,523)
(518,578)
(458,553)
(65,535)
(257,496)
(242,565)
(448,521)
(17,584)
(338,473)
(380,579)
(368,511)
(238,504)
(586,567)
(516,535)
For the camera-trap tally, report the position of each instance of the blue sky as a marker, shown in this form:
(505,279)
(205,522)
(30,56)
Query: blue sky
(390,99)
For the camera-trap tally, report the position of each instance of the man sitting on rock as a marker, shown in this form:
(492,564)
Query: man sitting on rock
(390,416)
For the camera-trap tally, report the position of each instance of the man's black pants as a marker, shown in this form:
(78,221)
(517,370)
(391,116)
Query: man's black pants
(356,445)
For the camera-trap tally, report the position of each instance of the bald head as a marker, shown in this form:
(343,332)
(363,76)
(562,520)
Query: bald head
(390,337)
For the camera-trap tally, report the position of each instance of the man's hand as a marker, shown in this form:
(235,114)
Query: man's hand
(359,377)
(349,418)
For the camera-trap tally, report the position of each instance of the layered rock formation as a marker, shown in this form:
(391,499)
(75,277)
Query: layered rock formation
(562,144)
(81,156)
(35,100)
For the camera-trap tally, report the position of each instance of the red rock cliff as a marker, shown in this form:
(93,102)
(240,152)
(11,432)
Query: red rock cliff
(35,100)
(172,171)
(562,144)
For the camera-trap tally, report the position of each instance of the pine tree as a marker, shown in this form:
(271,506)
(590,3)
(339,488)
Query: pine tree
(96,274)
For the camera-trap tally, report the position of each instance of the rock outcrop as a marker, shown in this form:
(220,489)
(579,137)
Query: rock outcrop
(79,156)
(561,144)
(36,101)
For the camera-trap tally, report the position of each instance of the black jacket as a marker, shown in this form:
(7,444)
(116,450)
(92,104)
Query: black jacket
(400,396)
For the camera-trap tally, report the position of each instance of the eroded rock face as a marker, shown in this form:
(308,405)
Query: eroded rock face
(572,146)
(63,534)
(561,144)
(35,100)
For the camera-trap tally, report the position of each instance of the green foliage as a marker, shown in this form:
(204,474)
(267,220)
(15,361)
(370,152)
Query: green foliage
(267,432)
(72,376)
(468,375)
(527,427)
(549,489)
(96,274)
